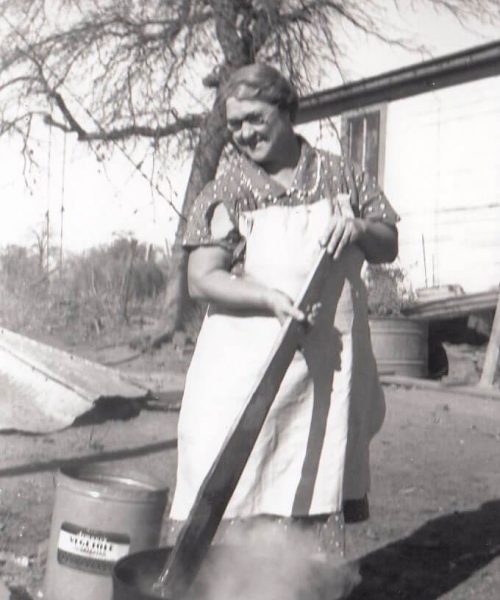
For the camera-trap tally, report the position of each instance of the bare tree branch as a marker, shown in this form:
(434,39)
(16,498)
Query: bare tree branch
(116,72)
(190,122)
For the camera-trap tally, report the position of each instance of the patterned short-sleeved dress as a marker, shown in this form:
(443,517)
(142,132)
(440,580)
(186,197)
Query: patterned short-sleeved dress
(313,451)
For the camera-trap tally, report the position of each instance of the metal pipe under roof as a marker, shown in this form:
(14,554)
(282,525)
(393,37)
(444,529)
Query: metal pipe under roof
(452,69)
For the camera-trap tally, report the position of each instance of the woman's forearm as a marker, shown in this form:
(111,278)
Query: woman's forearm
(220,287)
(209,279)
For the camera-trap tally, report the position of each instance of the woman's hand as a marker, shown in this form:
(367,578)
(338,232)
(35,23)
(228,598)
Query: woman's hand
(282,307)
(341,232)
(377,240)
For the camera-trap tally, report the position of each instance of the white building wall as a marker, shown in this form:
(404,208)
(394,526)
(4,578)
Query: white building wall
(442,173)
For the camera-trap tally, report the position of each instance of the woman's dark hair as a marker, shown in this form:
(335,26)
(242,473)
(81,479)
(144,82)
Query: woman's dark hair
(262,82)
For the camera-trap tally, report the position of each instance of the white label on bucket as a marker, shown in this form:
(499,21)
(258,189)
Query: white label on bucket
(90,550)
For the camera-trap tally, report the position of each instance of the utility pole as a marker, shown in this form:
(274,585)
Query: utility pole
(61,243)
(425,261)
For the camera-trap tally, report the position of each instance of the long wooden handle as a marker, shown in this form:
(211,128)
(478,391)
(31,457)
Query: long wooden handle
(218,486)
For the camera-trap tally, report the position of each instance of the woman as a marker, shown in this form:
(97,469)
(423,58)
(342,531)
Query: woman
(253,235)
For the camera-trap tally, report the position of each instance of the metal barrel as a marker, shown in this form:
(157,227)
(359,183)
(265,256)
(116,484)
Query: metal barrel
(101,513)
(400,346)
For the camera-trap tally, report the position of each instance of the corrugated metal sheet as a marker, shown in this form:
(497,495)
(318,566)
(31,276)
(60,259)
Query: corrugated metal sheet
(44,389)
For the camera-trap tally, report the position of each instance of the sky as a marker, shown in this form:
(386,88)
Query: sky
(102,201)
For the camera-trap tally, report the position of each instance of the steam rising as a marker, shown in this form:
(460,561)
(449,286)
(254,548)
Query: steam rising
(270,563)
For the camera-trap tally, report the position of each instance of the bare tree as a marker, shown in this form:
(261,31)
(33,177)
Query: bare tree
(118,72)
(40,246)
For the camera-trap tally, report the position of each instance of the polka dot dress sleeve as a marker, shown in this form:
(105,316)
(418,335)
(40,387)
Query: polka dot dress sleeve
(210,223)
(369,201)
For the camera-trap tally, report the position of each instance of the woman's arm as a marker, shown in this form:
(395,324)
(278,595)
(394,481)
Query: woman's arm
(378,240)
(209,279)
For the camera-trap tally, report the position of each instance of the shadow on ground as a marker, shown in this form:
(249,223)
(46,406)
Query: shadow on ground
(74,461)
(435,559)
(121,409)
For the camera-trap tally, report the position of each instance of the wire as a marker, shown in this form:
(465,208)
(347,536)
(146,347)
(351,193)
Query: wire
(47,214)
(63,179)
(452,209)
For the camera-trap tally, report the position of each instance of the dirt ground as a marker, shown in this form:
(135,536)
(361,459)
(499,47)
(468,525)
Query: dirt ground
(434,530)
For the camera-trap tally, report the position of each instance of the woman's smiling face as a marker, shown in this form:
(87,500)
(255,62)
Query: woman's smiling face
(259,129)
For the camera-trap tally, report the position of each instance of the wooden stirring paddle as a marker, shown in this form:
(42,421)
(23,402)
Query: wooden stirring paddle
(218,486)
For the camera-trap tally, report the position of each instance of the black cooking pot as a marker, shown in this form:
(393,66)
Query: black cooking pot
(135,575)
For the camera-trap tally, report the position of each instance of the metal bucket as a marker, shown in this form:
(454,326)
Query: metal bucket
(101,513)
(134,576)
(400,346)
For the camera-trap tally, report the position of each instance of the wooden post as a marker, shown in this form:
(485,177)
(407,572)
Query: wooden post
(492,351)
(127,277)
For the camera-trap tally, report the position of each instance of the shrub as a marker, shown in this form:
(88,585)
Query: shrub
(388,290)
(95,291)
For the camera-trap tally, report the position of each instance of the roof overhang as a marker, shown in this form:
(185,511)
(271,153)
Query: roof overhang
(453,69)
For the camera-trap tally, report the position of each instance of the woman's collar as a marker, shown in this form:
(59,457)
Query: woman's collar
(262,184)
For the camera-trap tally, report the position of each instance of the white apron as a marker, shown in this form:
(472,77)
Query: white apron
(312,452)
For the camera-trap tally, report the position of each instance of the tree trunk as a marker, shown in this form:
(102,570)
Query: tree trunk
(239,45)
(211,142)
(125,292)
